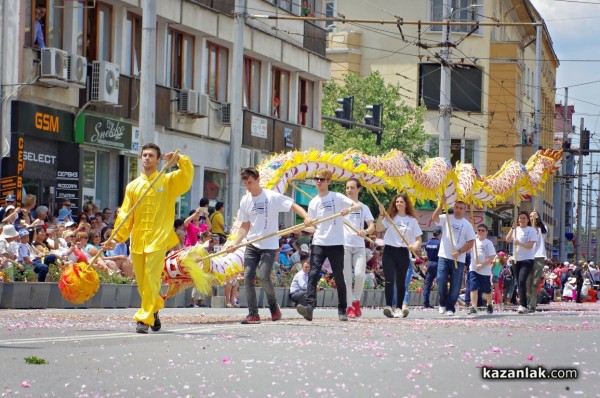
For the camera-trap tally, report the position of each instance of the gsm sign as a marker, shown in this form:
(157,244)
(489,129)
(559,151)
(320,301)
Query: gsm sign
(46,122)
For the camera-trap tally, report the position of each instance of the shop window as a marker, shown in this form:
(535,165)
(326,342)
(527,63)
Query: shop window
(305,103)
(95,177)
(218,69)
(180,59)
(280,95)
(214,185)
(43,23)
(93,26)
(132,170)
(252,84)
(133,45)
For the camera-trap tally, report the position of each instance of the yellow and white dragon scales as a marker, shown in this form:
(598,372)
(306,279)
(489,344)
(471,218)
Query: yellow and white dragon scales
(396,171)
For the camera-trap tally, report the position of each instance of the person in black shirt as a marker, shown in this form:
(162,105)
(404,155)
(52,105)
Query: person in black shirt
(432,247)
(578,274)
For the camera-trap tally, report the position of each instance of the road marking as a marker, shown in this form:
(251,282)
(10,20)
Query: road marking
(121,335)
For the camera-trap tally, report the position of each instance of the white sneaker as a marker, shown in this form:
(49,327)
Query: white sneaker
(405,311)
(397,313)
(387,311)
(521,310)
(449,313)
(442,310)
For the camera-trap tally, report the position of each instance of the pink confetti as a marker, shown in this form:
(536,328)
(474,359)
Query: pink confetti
(496,349)
(25,384)
(487,365)
(226,360)
(530,357)
(379,354)
(584,324)
(467,355)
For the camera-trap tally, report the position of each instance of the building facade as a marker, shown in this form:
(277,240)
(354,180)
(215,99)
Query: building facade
(70,114)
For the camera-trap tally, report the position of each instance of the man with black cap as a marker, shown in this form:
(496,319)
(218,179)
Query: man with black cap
(432,247)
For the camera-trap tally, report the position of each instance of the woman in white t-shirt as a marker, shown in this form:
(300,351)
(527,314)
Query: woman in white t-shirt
(535,277)
(396,254)
(524,238)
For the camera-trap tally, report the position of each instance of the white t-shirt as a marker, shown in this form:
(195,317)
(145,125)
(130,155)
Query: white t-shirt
(524,235)
(329,233)
(540,247)
(485,249)
(263,213)
(408,226)
(462,232)
(357,219)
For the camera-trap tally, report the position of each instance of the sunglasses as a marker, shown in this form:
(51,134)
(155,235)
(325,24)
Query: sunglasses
(319,179)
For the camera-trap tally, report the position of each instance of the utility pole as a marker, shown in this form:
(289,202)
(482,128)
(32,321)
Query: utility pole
(537,95)
(148,74)
(597,230)
(563,185)
(445,104)
(588,213)
(235,138)
(579,197)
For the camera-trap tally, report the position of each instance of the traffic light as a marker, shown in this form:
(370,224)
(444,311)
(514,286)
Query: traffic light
(375,119)
(584,144)
(347,110)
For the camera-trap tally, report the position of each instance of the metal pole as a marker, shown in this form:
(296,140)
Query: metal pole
(235,140)
(148,73)
(445,79)
(579,197)
(588,213)
(537,95)
(597,230)
(563,189)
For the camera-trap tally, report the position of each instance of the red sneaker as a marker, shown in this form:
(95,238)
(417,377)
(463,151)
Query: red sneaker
(275,316)
(351,313)
(357,310)
(251,319)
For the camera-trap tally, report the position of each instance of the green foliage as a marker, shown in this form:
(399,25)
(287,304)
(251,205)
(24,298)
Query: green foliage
(115,278)
(35,361)
(403,124)
(25,275)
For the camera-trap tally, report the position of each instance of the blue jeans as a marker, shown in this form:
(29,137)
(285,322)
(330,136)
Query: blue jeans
(432,268)
(255,258)
(407,280)
(447,271)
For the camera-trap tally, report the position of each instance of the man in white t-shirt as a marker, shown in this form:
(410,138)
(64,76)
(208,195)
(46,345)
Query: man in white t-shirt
(452,251)
(328,242)
(259,215)
(480,270)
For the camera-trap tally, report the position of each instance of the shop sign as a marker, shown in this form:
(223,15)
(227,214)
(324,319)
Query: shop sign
(67,175)
(101,131)
(41,121)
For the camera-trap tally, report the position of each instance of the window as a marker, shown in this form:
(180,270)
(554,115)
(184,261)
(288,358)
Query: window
(50,19)
(330,12)
(465,91)
(93,28)
(462,11)
(214,185)
(251,84)
(218,67)
(305,103)
(95,177)
(132,43)
(284,4)
(281,94)
(463,150)
(180,60)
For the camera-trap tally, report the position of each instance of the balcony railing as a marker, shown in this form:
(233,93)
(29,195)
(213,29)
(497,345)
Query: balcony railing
(315,38)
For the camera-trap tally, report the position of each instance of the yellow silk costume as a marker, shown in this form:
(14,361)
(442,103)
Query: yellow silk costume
(151,230)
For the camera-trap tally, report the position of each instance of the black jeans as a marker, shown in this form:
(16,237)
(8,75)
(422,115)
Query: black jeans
(432,267)
(523,268)
(335,254)
(263,260)
(396,261)
(299,297)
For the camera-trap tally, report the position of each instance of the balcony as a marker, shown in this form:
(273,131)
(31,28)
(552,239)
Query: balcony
(223,6)
(315,38)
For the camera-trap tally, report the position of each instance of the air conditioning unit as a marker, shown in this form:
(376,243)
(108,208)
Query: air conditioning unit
(54,64)
(77,69)
(225,114)
(203,105)
(105,82)
(188,102)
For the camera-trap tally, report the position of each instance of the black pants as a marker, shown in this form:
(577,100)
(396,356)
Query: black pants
(579,287)
(299,297)
(523,268)
(335,254)
(396,261)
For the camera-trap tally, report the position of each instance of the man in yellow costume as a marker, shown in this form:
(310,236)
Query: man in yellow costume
(151,227)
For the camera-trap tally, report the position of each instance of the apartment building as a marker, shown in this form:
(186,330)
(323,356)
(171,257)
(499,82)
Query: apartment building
(70,110)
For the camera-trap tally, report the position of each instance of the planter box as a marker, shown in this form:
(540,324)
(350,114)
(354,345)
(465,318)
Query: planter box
(416,298)
(434,299)
(25,295)
(56,300)
(112,296)
(135,301)
(330,298)
(373,298)
(281,293)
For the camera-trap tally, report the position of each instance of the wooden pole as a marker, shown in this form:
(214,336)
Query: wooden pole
(346,223)
(142,196)
(517,224)
(450,236)
(475,228)
(387,216)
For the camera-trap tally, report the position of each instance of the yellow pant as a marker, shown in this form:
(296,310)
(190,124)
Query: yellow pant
(148,269)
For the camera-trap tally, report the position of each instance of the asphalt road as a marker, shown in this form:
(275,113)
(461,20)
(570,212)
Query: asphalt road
(208,353)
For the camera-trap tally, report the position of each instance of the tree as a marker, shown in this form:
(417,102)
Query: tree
(403,124)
